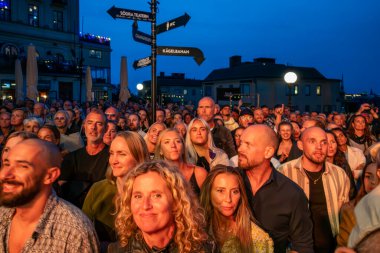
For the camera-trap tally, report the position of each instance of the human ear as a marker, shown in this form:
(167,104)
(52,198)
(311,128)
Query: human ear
(300,145)
(269,152)
(52,174)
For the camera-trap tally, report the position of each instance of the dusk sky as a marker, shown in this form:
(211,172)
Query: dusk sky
(338,38)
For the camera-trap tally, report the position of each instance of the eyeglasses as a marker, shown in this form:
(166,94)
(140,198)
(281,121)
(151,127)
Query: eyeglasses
(59,118)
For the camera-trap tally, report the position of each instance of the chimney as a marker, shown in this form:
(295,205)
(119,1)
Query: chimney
(235,61)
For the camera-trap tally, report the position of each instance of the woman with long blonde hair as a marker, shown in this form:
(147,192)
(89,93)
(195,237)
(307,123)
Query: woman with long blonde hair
(228,215)
(157,211)
(127,150)
(171,148)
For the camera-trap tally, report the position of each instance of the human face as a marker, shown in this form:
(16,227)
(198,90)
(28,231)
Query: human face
(251,152)
(111,114)
(172,146)
(245,120)
(153,133)
(47,135)
(314,145)
(142,115)
(332,145)
(110,134)
(94,128)
(21,177)
(296,130)
(370,178)
(359,124)
(5,120)
(160,116)
(341,139)
(32,127)
(198,133)
(188,119)
(265,111)
(152,204)
(67,105)
(177,118)
(338,120)
(181,128)
(206,109)
(168,113)
(133,122)
(238,133)
(38,109)
(121,159)
(258,116)
(225,194)
(17,118)
(9,145)
(293,117)
(122,123)
(226,111)
(60,120)
(285,132)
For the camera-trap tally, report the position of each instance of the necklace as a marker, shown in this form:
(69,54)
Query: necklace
(311,178)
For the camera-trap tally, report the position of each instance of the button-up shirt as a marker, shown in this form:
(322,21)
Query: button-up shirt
(61,228)
(336,186)
(281,208)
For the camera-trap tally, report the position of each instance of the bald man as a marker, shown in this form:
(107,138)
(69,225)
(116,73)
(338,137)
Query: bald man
(221,135)
(33,218)
(325,185)
(278,203)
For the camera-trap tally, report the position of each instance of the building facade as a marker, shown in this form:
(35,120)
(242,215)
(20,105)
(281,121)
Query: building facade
(63,53)
(174,88)
(261,82)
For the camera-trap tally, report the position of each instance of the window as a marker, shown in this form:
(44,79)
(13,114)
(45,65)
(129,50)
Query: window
(295,92)
(95,54)
(208,90)
(5,10)
(245,89)
(58,20)
(33,15)
(306,90)
(318,90)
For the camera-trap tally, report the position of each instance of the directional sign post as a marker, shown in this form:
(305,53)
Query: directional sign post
(182,51)
(147,61)
(140,36)
(174,23)
(151,40)
(129,14)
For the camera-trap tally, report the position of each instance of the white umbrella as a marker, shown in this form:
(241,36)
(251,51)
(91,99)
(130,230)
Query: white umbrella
(19,79)
(88,84)
(31,74)
(124,92)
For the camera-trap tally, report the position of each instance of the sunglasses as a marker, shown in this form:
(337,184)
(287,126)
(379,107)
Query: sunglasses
(59,118)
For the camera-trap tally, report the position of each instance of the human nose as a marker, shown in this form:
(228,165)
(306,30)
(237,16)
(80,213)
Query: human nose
(228,197)
(147,204)
(6,172)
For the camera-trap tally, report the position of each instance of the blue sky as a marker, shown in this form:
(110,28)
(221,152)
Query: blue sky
(339,38)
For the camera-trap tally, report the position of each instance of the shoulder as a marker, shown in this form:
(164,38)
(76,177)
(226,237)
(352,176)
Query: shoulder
(284,182)
(289,166)
(200,170)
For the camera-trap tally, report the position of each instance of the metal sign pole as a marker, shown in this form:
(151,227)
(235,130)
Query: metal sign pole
(153,7)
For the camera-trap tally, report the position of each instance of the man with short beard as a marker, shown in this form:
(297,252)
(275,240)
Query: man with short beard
(326,186)
(279,204)
(33,218)
(85,166)
(134,124)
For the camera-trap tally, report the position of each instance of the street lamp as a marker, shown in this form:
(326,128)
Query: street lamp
(140,86)
(290,78)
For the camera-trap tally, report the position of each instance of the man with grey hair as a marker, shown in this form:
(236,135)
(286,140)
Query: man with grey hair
(33,218)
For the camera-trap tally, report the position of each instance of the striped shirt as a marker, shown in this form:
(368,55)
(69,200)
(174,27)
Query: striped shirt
(336,186)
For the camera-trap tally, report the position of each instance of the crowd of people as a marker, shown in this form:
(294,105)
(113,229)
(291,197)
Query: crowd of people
(104,177)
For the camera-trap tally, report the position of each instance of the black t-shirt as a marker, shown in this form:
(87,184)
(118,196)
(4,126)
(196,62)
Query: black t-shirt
(80,170)
(323,238)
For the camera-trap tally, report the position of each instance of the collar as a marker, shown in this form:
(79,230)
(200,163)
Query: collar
(298,165)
